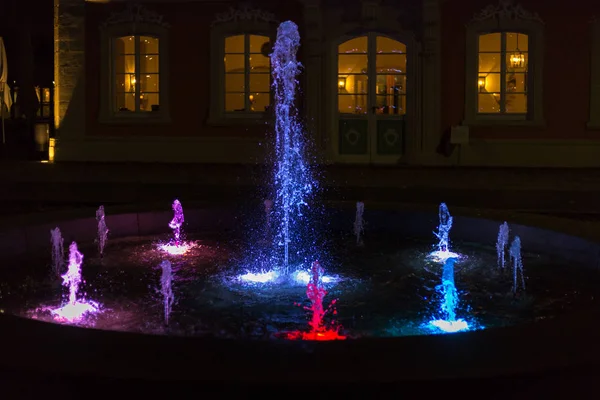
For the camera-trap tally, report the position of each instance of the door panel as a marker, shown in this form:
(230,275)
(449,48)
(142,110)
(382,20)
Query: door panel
(354,137)
(390,137)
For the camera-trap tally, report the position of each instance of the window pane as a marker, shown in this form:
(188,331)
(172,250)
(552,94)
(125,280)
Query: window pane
(516,41)
(490,42)
(490,62)
(352,104)
(234,63)
(358,45)
(148,45)
(516,104)
(234,102)
(260,63)
(490,82)
(124,83)
(125,102)
(391,105)
(516,82)
(260,83)
(124,45)
(393,63)
(391,84)
(149,64)
(387,45)
(353,84)
(235,83)
(257,42)
(234,44)
(259,101)
(125,64)
(149,83)
(488,103)
(352,64)
(149,101)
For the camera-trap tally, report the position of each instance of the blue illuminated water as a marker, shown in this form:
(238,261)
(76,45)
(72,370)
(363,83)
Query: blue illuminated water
(293,181)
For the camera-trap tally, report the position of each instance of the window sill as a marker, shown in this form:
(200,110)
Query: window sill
(504,122)
(239,120)
(136,119)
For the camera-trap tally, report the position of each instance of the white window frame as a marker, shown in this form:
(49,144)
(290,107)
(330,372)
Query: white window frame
(217,113)
(594,117)
(109,34)
(515,21)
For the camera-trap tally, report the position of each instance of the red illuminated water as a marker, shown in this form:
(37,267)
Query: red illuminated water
(316,293)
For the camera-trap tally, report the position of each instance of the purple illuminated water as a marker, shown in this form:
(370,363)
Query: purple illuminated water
(359,223)
(176,245)
(75,309)
(58,251)
(166,289)
(102,230)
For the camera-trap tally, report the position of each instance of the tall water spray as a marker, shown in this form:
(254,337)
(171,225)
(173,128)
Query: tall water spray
(501,244)
(517,264)
(449,302)
(359,223)
(58,251)
(292,178)
(177,222)
(102,230)
(166,289)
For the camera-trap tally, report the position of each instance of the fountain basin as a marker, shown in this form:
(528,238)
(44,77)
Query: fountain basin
(561,342)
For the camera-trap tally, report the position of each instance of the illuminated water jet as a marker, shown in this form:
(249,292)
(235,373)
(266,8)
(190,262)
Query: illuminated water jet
(443,247)
(166,289)
(102,235)
(359,223)
(75,309)
(176,245)
(501,244)
(58,251)
(448,322)
(517,265)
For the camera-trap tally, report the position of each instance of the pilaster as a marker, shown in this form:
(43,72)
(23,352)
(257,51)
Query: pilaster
(69,63)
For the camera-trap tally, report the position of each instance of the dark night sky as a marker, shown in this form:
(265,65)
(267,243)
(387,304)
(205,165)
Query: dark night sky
(39,15)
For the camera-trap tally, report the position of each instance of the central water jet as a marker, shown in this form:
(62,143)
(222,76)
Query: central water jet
(293,183)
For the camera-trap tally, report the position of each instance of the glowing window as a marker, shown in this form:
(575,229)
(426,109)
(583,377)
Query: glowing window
(136,74)
(247,73)
(502,84)
(372,76)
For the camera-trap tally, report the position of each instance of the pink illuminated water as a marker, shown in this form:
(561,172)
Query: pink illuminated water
(316,293)
(176,246)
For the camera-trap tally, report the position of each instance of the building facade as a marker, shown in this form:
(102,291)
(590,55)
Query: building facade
(426,82)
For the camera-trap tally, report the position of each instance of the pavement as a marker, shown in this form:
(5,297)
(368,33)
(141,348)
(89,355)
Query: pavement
(31,186)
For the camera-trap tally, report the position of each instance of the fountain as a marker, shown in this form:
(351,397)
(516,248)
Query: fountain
(166,289)
(517,264)
(58,251)
(359,226)
(501,244)
(443,247)
(448,323)
(293,182)
(176,246)
(102,230)
(316,293)
(75,309)
(268,209)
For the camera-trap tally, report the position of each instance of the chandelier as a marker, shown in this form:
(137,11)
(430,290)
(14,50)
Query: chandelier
(517,58)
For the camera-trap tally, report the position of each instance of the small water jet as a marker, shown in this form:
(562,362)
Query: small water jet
(315,291)
(448,322)
(58,251)
(502,244)
(176,246)
(75,309)
(359,223)
(102,236)
(443,247)
(517,265)
(268,209)
(166,289)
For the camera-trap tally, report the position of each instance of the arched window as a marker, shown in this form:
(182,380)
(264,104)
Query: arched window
(504,53)
(247,69)
(134,75)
